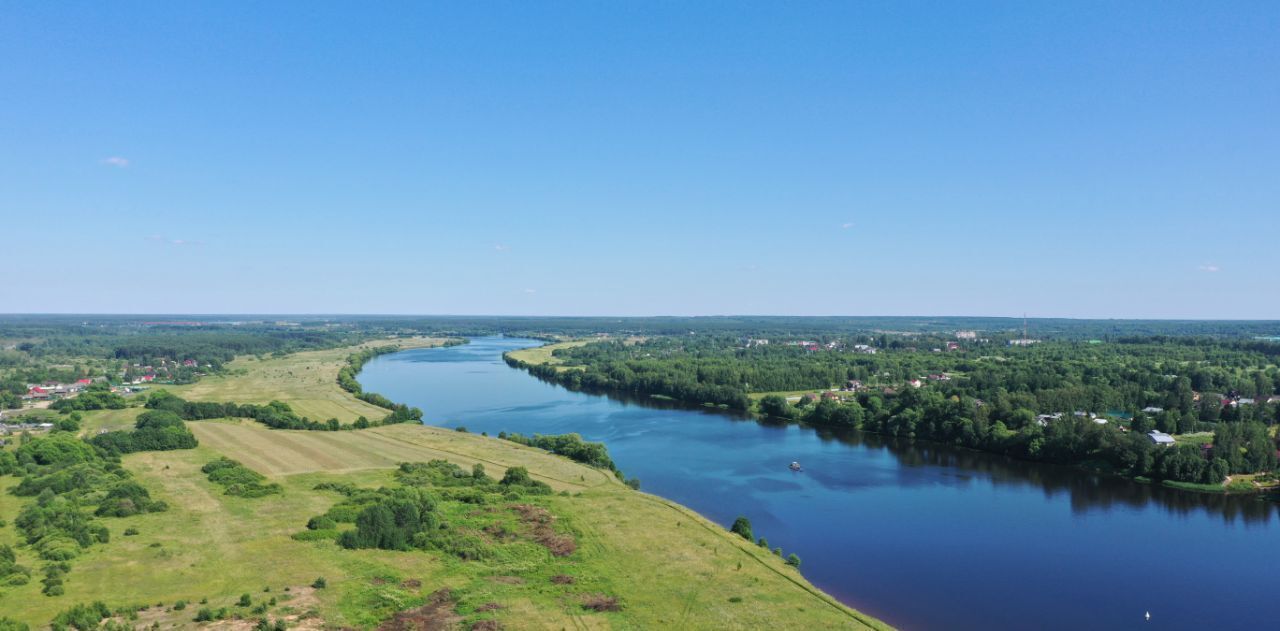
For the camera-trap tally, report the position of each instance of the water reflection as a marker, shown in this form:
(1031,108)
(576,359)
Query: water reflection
(1087,491)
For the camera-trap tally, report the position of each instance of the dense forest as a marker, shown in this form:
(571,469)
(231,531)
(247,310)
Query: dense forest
(1064,401)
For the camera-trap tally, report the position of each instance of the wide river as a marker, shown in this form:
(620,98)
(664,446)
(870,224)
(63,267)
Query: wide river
(920,535)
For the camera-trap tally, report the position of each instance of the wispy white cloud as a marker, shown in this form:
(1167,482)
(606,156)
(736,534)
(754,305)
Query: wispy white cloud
(163,240)
(501,248)
(1210,268)
(116,161)
(846,225)
(530,291)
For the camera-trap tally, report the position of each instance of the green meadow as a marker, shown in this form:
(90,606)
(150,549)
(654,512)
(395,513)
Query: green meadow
(638,561)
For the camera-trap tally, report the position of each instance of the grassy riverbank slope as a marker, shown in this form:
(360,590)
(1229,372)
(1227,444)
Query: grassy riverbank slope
(545,354)
(666,566)
(307,381)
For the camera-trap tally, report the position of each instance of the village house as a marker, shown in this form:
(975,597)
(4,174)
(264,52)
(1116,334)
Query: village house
(1160,439)
(16,428)
(853,385)
(916,383)
(966,335)
(1043,420)
(830,396)
(1151,409)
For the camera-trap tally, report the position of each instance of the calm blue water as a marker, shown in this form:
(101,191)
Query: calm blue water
(920,535)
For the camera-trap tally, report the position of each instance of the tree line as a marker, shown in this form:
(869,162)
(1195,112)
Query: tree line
(276,414)
(982,398)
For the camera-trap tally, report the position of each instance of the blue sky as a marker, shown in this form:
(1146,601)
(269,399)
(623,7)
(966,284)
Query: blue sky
(1069,159)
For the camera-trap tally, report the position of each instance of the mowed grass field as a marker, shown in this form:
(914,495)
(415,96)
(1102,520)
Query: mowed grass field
(307,381)
(98,420)
(669,567)
(282,453)
(543,354)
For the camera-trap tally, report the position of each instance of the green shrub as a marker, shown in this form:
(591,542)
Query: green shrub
(315,535)
(9,624)
(320,583)
(518,478)
(239,480)
(81,617)
(323,522)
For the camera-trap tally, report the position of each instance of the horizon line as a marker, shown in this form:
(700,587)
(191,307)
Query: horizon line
(629,317)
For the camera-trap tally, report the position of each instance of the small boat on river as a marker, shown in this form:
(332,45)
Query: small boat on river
(795,466)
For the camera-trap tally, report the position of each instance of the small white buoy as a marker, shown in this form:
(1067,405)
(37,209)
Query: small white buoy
(1148,615)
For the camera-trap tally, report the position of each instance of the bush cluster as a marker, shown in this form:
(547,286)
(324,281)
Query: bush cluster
(239,480)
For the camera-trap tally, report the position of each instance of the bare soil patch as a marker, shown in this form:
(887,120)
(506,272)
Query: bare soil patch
(437,615)
(540,523)
(601,602)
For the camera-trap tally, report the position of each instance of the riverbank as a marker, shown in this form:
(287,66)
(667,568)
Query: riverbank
(542,363)
(885,523)
(666,565)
